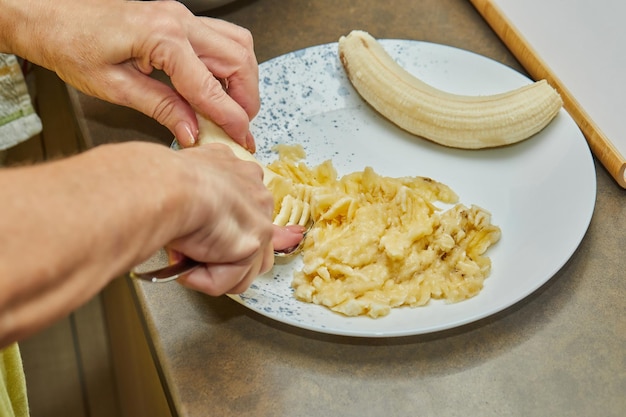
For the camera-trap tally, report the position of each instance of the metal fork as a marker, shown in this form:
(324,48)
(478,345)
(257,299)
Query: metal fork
(292,211)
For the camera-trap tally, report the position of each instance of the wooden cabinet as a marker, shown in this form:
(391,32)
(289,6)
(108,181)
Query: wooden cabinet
(139,390)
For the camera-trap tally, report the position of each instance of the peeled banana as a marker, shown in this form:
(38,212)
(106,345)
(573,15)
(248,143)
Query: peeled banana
(210,132)
(458,121)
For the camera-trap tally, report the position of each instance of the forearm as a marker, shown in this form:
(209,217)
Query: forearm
(69,227)
(50,33)
(23,27)
(10,19)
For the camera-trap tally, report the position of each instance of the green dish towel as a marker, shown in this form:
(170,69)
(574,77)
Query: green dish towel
(18,120)
(13,397)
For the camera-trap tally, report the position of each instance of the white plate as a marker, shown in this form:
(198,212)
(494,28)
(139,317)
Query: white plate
(541,192)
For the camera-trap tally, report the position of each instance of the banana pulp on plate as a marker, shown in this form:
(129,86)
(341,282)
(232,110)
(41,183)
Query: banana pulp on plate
(380,242)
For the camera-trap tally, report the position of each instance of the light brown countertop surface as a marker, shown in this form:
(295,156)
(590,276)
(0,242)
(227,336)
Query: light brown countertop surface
(560,352)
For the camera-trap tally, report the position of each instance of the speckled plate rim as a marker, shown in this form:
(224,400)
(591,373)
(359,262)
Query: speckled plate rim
(541,192)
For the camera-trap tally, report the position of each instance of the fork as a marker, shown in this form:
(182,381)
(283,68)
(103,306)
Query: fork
(293,210)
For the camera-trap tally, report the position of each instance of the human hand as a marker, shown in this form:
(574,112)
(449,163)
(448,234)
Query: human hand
(230,223)
(109,48)
(134,198)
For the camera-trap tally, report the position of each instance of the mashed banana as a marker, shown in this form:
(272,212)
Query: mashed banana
(380,243)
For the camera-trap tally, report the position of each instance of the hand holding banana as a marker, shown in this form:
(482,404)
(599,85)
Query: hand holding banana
(458,121)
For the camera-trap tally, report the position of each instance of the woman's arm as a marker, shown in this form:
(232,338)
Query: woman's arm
(108,49)
(69,227)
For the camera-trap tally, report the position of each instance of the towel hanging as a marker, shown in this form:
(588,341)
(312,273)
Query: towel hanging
(18,119)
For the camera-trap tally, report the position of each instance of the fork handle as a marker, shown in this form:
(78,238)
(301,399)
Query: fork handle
(168,273)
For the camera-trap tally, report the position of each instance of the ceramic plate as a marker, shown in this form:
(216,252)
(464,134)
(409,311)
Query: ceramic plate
(541,192)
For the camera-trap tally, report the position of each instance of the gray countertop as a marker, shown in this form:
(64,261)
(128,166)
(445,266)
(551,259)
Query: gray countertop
(559,352)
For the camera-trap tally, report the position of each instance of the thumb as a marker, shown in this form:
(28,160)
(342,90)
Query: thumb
(286,237)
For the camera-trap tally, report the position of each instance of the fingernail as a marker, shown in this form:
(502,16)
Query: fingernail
(250,144)
(296,229)
(173,256)
(185,134)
